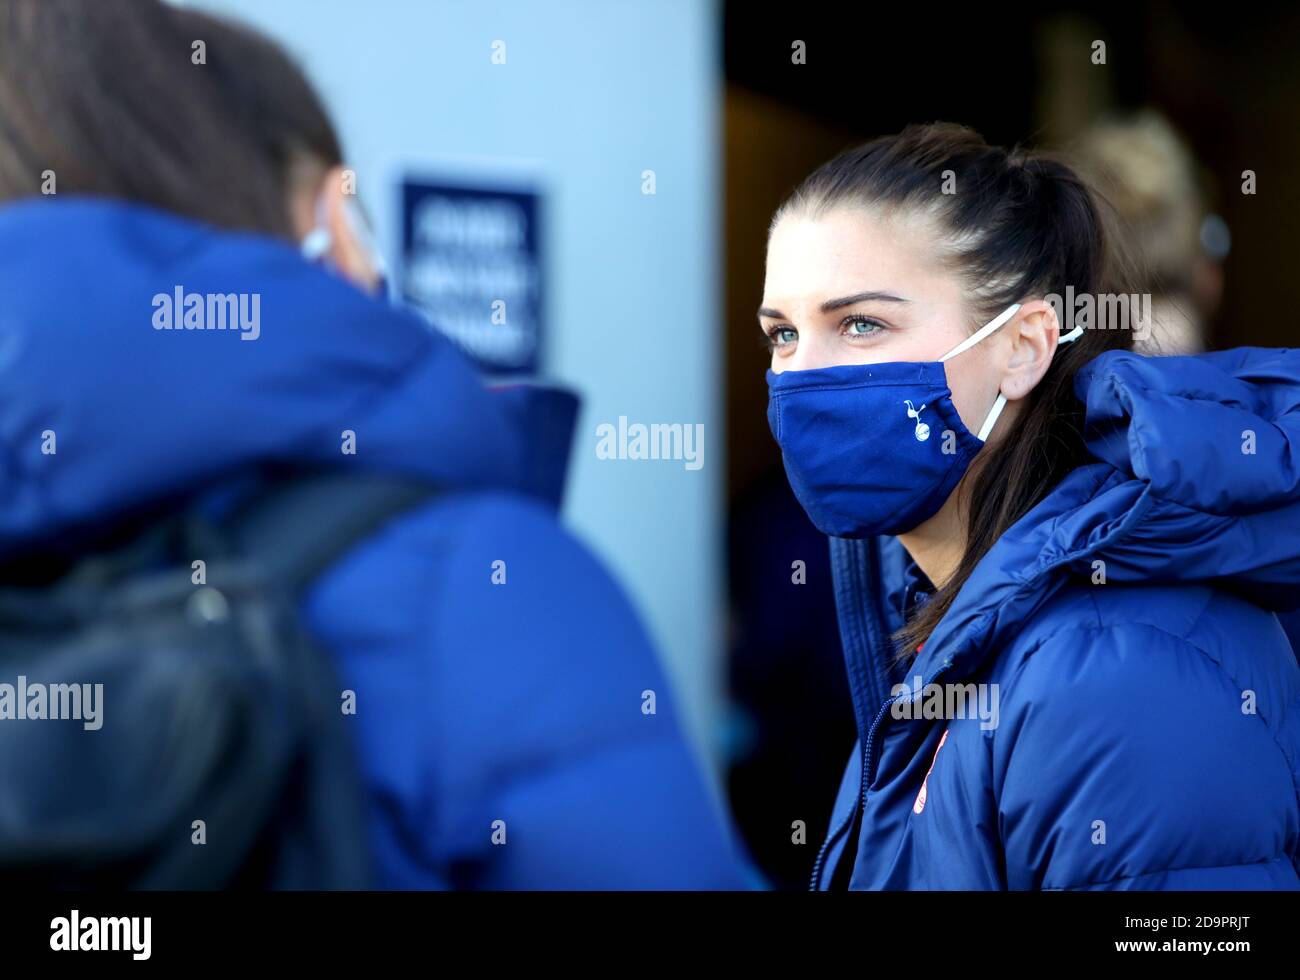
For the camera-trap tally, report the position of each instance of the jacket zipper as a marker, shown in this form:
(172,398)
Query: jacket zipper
(859,624)
(865,628)
(861,805)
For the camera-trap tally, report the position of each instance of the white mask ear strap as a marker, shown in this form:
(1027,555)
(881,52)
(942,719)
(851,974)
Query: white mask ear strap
(360,226)
(982,332)
(1000,402)
(991,419)
(1073,335)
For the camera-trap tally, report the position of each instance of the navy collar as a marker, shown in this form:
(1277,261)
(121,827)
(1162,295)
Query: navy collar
(916,591)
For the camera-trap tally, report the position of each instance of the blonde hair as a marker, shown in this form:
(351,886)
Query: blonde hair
(1148,173)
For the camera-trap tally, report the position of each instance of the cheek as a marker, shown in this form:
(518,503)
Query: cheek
(974,389)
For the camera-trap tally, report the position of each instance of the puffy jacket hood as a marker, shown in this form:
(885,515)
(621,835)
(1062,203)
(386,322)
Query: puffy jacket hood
(1198,482)
(138,413)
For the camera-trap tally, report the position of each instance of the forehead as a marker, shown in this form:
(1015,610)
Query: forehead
(848,250)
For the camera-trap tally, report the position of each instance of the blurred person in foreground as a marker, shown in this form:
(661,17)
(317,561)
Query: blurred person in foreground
(498,673)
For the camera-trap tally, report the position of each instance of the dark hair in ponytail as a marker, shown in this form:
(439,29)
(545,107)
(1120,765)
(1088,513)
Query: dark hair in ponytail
(1020,224)
(104,94)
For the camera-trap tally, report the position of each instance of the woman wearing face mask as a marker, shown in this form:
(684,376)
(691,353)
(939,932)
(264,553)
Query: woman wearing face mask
(1057,562)
(496,670)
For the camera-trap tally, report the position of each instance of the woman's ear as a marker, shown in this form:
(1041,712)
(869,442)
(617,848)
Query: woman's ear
(323,216)
(347,253)
(1034,336)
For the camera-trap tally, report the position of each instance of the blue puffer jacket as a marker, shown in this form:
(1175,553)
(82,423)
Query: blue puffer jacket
(475,702)
(1147,724)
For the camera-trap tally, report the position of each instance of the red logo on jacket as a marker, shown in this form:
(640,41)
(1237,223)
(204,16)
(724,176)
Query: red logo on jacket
(919,805)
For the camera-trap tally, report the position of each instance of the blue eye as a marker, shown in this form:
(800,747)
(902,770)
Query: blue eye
(868,325)
(782,336)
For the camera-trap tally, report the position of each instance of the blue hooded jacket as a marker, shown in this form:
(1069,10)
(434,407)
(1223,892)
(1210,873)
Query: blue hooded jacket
(1140,727)
(476,703)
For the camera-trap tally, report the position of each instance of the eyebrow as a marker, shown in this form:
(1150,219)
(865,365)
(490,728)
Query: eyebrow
(835,304)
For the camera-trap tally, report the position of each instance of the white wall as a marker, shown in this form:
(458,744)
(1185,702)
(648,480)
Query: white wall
(593,92)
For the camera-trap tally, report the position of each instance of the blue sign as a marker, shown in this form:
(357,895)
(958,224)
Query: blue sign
(471,264)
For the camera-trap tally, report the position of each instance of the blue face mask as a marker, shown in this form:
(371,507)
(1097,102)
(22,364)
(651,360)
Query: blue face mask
(876,448)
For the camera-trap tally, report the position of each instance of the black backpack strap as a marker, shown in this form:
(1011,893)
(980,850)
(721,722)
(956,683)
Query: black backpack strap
(300,526)
(292,531)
